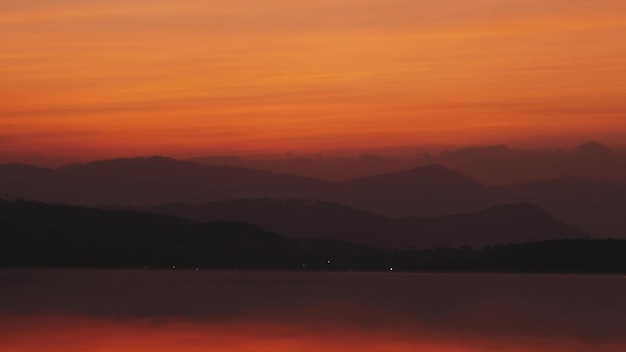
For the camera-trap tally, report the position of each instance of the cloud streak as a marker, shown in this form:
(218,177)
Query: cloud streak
(327,70)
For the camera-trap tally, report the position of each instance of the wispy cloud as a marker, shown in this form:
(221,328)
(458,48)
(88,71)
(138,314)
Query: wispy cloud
(272,74)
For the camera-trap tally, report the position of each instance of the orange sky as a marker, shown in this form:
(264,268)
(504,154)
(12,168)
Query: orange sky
(108,78)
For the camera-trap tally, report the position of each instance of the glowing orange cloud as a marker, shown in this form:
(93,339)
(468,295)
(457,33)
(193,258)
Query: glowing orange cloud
(117,78)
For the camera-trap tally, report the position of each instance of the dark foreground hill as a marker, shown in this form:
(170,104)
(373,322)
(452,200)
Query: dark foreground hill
(36,234)
(555,256)
(41,235)
(511,223)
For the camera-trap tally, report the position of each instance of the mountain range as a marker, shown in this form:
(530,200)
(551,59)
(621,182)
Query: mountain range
(38,234)
(511,223)
(495,165)
(595,207)
(57,236)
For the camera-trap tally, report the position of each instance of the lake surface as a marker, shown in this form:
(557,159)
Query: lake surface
(73,310)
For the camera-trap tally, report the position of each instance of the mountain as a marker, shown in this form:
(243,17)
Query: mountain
(494,165)
(510,223)
(319,167)
(553,256)
(426,191)
(504,224)
(147,181)
(429,190)
(294,218)
(594,149)
(38,234)
(500,165)
(44,235)
(596,207)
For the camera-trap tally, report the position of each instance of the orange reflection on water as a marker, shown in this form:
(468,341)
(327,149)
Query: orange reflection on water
(68,334)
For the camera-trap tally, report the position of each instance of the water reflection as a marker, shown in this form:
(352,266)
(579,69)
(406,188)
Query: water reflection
(206,311)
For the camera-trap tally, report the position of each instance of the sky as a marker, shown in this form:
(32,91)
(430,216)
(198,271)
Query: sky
(87,79)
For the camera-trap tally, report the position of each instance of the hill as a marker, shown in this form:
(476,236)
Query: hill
(314,219)
(425,191)
(44,235)
(596,207)
(37,234)
(147,181)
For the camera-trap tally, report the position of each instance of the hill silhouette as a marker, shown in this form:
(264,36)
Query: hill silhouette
(494,165)
(147,181)
(593,149)
(425,191)
(44,235)
(429,190)
(553,256)
(501,165)
(596,207)
(510,223)
(37,234)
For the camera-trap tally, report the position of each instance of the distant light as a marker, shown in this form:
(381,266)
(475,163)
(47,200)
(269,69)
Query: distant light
(173,266)
(197,269)
(145,267)
(303,265)
(390,268)
(328,262)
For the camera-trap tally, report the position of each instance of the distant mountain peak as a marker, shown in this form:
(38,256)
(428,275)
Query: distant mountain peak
(593,148)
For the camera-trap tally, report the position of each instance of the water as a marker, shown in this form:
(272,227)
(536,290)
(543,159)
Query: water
(71,310)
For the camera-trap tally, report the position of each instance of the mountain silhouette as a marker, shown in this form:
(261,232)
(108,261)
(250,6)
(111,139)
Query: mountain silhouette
(596,207)
(426,191)
(501,165)
(37,234)
(147,181)
(296,218)
(45,235)
(504,224)
(495,165)
(594,149)
(510,223)
(429,190)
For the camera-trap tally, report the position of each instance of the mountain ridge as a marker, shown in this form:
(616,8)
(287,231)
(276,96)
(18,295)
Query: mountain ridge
(314,219)
(596,207)
(30,240)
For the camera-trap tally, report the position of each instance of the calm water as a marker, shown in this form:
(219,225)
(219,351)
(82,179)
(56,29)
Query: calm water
(209,311)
